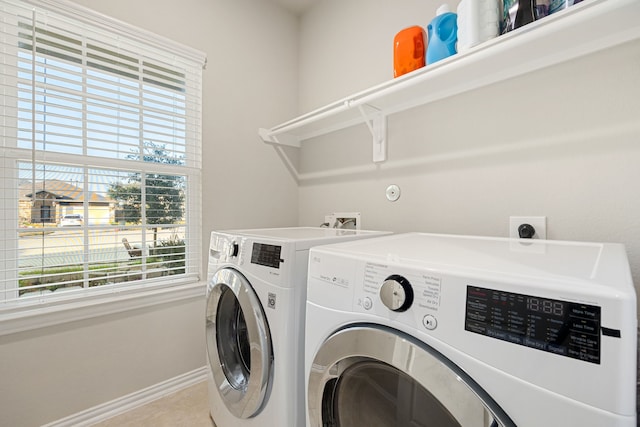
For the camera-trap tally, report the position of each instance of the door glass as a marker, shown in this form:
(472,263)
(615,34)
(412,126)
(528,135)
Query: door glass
(375,394)
(232,340)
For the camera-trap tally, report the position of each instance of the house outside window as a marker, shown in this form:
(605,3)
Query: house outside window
(101,154)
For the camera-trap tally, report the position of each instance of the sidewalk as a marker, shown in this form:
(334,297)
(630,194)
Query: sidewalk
(98,255)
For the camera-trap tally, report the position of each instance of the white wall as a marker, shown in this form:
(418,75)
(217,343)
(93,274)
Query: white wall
(562,142)
(50,373)
(250,81)
(347,45)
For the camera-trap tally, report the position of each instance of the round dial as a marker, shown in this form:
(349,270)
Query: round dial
(396,293)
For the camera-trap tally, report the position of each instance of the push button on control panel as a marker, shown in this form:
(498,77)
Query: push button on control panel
(429,322)
(367,303)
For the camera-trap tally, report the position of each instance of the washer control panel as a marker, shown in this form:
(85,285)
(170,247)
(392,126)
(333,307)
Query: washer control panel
(266,259)
(561,327)
(266,255)
(409,296)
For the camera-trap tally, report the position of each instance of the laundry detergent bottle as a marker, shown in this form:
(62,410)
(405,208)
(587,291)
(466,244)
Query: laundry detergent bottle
(478,21)
(443,35)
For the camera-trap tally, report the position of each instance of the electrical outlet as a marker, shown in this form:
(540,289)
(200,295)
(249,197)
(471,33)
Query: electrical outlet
(539,223)
(347,220)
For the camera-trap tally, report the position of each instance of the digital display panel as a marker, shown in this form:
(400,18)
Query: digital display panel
(565,328)
(267,255)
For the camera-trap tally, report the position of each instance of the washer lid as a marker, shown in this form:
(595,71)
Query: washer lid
(602,263)
(298,233)
(302,238)
(239,344)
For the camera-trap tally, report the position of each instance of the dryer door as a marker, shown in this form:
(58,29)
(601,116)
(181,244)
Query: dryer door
(379,377)
(238,343)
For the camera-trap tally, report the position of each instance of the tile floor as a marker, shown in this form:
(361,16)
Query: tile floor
(185,408)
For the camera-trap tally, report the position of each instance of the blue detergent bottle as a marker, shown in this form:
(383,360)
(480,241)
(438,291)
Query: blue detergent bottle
(443,35)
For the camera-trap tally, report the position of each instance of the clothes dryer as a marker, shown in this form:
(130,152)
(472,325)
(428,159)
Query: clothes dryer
(256,296)
(436,330)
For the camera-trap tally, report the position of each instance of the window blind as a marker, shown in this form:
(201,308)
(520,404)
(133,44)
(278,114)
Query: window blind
(101,148)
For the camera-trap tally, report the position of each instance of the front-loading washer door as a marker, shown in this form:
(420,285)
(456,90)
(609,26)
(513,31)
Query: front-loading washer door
(238,343)
(369,375)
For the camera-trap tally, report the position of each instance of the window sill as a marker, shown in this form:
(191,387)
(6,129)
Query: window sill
(83,305)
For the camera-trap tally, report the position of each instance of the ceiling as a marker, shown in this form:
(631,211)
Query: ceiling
(296,6)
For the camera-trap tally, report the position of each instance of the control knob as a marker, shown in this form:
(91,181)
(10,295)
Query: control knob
(396,293)
(233,249)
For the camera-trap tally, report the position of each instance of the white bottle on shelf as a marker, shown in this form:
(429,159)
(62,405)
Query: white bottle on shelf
(478,21)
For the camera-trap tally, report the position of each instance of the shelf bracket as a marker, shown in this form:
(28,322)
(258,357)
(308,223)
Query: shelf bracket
(377,124)
(283,139)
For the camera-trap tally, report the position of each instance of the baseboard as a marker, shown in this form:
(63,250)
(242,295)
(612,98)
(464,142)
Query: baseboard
(131,401)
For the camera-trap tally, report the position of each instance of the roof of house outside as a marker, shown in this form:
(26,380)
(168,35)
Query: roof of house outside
(62,190)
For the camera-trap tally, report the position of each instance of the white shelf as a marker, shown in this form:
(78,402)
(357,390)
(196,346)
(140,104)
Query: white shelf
(582,29)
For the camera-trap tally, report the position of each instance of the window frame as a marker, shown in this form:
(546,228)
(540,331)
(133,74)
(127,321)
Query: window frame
(31,313)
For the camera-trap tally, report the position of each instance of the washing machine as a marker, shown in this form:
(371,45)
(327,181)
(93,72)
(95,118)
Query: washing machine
(256,296)
(439,330)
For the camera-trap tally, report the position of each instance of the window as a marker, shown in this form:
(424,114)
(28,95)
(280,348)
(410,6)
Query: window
(101,148)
